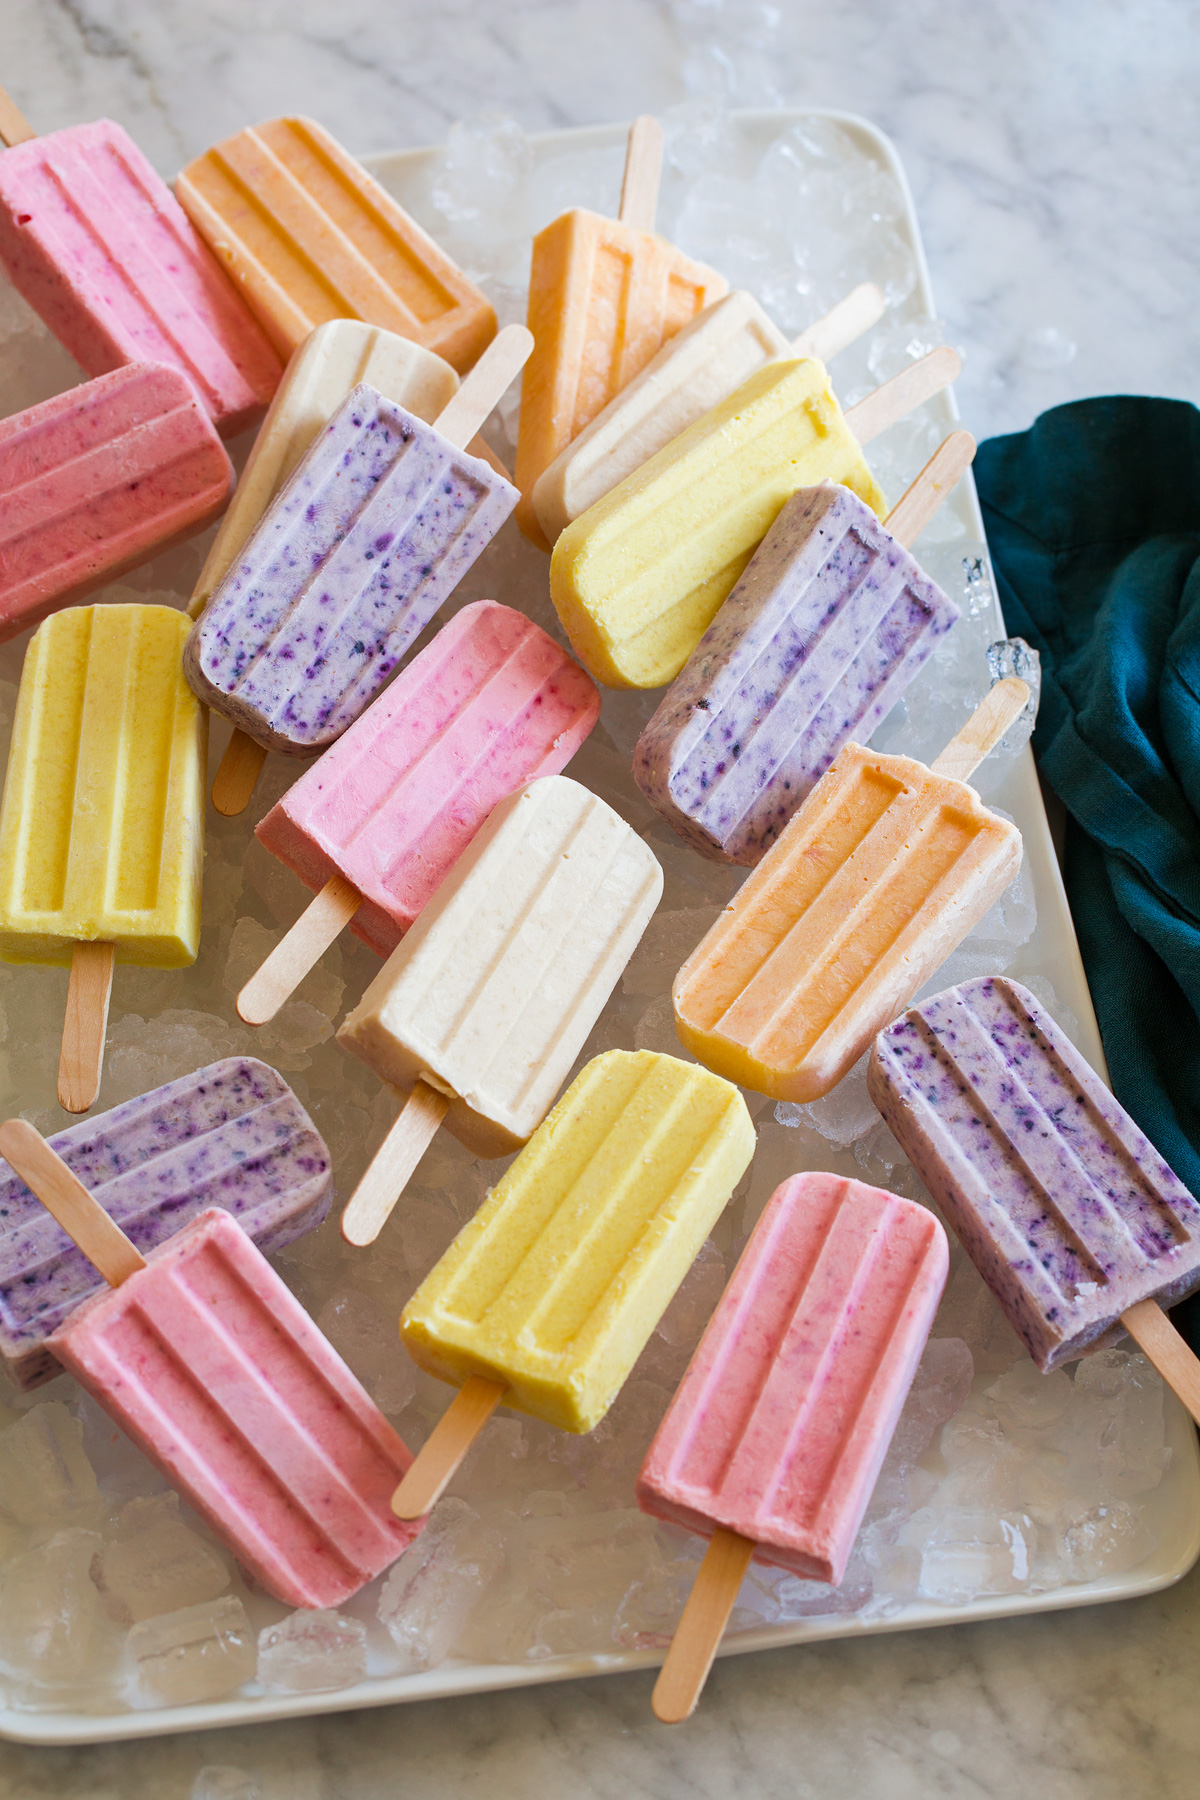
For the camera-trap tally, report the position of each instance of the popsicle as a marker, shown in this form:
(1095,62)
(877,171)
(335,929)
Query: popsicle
(380,820)
(814,646)
(695,370)
(210,1364)
(604,294)
(1067,1210)
(102,824)
(638,578)
(96,242)
(308,236)
(883,871)
(479,1014)
(775,1437)
(377,525)
(98,480)
(546,1299)
(232,1135)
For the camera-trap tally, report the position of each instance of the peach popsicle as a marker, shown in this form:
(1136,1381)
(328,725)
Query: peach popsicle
(604,295)
(883,871)
(308,235)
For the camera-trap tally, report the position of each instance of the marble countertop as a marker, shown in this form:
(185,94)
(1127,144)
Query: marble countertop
(1053,153)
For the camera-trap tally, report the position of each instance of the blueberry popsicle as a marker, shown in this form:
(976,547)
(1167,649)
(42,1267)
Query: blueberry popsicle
(231,1135)
(1071,1216)
(814,646)
(210,1364)
(374,530)
(775,1437)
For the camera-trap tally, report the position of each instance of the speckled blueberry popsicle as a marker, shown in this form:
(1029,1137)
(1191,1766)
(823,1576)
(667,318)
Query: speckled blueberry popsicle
(232,1135)
(370,536)
(1069,1213)
(814,646)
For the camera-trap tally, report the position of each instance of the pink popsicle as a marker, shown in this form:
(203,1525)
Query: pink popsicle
(97,243)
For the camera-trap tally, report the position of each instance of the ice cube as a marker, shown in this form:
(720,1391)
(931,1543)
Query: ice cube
(45,1476)
(1106,1539)
(967,1553)
(309,1652)
(842,1116)
(1029,1400)
(437,1584)
(367,1338)
(156,1563)
(222,1781)
(198,1653)
(53,1627)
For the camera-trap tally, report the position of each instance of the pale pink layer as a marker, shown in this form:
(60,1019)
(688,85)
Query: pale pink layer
(97,243)
(489,705)
(214,1368)
(783,1419)
(98,480)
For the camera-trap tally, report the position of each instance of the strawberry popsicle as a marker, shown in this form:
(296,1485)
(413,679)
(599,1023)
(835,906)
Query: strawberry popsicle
(814,646)
(210,1364)
(1071,1216)
(231,1135)
(96,242)
(98,480)
(775,1437)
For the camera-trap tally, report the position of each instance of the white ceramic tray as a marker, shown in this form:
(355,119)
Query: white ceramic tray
(1172,1510)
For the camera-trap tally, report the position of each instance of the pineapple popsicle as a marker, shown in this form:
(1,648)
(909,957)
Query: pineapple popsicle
(480,1012)
(546,1299)
(879,876)
(308,236)
(637,579)
(604,294)
(102,825)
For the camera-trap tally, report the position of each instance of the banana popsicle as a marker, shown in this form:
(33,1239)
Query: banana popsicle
(546,1299)
(308,236)
(638,578)
(604,294)
(380,820)
(98,480)
(695,370)
(479,1014)
(96,242)
(814,646)
(214,1369)
(376,527)
(231,1135)
(1069,1213)
(773,1443)
(879,876)
(102,824)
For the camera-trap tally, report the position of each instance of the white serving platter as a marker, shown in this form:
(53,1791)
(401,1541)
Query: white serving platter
(1172,1510)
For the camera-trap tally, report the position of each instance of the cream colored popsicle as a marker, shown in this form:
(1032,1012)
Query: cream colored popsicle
(694,371)
(480,1012)
(546,1299)
(879,876)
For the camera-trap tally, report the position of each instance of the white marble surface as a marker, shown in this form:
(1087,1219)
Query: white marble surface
(1053,154)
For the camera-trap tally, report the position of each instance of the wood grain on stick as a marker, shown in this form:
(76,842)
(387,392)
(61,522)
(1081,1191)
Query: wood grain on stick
(1152,1331)
(85,1025)
(903,393)
(918,503)
(698,1634)
(504,358)
(240,768)
(14,126)
(299,950)
(83,1219)
(1000,707)
(370,1205)
(842,324)
(448,1443)
(643,173)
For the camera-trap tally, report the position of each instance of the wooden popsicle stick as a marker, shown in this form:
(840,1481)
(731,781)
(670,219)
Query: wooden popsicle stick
(504,358)
(64,1195)
(903,393)
(698,1634)
(1152,1331)
(81,1059)
(919,501)
(323,919)
(862,308)
(14,126)
(1000,707)
(435,1464)
(370,1205)
(235,779)
(643,173)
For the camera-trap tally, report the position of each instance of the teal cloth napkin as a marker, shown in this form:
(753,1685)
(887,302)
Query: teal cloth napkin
(1093,517)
